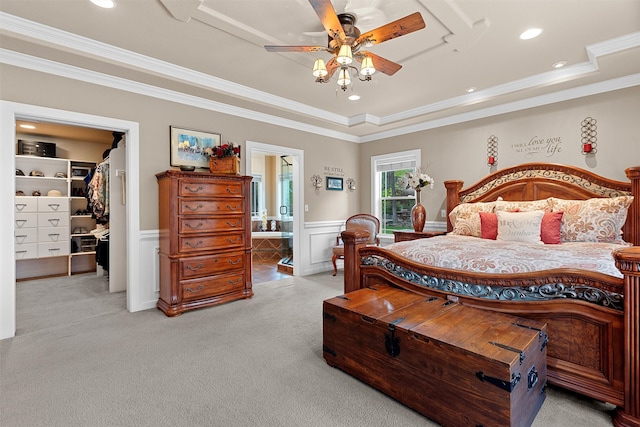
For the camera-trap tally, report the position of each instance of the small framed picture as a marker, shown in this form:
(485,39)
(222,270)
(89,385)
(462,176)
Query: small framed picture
(334,183)
(192,147)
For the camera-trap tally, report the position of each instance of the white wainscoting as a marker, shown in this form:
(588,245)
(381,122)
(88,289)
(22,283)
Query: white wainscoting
(148,288)
(318,239)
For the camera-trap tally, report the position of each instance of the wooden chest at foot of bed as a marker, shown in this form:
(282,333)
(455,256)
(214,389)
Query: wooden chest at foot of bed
(455,364)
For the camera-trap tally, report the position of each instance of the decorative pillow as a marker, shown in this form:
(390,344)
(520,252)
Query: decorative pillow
(593,220)
(520,226)
(523,206)
(550,228)
(465,218)
(488,225)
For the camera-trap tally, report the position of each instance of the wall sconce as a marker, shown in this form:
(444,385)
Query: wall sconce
(351,184)
(589,136)
(316,180)
(492,150)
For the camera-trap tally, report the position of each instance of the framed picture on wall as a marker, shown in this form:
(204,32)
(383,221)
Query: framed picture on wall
(334,183)
(192,147)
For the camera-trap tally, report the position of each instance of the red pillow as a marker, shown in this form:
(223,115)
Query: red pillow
(550,227)
(489,225)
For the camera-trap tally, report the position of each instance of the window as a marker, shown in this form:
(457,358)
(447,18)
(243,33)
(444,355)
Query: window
(391,201)
(257,197)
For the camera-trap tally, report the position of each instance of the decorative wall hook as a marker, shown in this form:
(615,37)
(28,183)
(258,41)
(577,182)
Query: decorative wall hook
(589,136)
(492,150)
(351,184)
(316,180)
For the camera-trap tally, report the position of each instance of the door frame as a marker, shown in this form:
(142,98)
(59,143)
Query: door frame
(9,113)
(298,190)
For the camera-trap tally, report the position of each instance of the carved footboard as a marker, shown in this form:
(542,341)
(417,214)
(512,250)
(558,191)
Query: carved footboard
(592,319)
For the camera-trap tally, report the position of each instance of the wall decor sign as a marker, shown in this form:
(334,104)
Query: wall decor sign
(192,147)
(539,145)
(332,170)
(334,183)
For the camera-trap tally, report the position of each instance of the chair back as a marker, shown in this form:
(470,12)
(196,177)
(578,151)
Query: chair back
(365,222)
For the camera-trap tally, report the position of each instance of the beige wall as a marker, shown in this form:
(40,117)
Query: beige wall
(155,116)
(459,151)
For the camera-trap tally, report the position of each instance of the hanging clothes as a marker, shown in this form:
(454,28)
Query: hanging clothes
(98,193)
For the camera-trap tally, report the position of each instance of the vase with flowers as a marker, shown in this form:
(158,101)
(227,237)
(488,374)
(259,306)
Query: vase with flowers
(225,158)
(416,180)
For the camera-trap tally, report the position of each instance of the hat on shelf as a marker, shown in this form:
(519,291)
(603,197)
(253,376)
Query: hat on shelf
(60,175)
(19,172)
(54,193)
(36,173)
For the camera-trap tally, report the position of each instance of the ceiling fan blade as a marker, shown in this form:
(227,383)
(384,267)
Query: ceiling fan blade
(402,26)
(383,65)
(325,11)
(332,66)
(271,48)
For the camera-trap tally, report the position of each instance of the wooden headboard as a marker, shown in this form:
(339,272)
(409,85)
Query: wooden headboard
(535,181)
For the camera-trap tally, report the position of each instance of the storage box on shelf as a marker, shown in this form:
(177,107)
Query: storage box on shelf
(45,224)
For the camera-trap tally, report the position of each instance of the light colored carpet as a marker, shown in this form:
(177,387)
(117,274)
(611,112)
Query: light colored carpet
(80,359)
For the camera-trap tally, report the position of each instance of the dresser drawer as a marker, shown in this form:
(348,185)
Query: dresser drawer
(53,234)
(53,204)
(209,225)
(218,206)
(26,250)
(195,188)
(53,249)
(208,265)
(26,235)
(26,220)
(55,219)
(220,241)
(211,286)
(26,204)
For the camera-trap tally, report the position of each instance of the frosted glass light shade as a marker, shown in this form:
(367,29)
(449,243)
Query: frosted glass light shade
(319,69)
(344,56)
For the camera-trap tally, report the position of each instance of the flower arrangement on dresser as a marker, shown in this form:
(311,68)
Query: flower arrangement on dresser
(225,159)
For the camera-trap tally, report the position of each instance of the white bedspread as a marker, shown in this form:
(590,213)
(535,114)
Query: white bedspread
(496,256)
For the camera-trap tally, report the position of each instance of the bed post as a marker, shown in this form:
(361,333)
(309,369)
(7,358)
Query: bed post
(628,262)
(353,242)
(453,199)
(633,217)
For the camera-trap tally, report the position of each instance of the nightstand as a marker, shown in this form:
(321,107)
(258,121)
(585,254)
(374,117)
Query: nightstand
(401,236)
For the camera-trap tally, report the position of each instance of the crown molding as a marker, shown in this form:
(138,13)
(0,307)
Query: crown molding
(95,49)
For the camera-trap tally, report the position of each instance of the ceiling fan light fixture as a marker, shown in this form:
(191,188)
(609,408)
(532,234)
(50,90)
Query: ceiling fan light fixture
(344,79)
(345,56)
(367,68)
(319,69)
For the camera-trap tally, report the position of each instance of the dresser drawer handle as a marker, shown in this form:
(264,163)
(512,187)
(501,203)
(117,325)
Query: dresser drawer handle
(199,288)
(236,240)
(197,190)
(54,249)
(232,262)
(234,282)
(233,208)
(20,206)
(191,245)
(54,221)
(56,235)
(193,227)
(232,191)
(193,209)
(198,267)
(20,222)
(21,252)
(235,224)
(54,206)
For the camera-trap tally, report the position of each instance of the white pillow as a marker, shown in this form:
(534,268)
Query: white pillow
(520,226)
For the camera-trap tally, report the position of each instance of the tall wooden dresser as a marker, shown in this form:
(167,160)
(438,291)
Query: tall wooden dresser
(205,240)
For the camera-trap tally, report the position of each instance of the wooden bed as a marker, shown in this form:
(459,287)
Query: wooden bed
(594,347)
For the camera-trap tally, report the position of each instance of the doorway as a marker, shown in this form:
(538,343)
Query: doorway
(287,199)
(11,112)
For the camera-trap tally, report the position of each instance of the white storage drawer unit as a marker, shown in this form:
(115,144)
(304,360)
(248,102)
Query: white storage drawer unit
(41,227)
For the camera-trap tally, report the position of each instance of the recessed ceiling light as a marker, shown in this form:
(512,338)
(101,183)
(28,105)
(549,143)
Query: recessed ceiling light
(559,64)
(107,4)
(27,126)
(531,33)
(354,97)
(471,89)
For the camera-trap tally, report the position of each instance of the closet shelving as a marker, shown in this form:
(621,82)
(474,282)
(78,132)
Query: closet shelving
(49,227)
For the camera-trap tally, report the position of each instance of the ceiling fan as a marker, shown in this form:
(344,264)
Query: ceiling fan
(345,42)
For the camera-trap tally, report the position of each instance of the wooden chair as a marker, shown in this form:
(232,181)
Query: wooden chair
(357,222)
